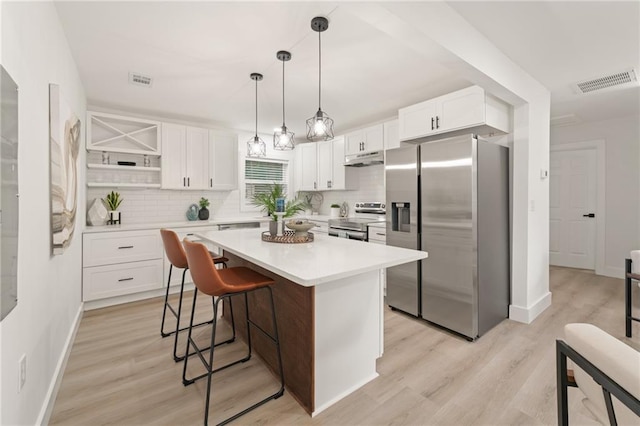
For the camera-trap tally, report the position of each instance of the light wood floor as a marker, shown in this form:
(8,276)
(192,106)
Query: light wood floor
(120,371)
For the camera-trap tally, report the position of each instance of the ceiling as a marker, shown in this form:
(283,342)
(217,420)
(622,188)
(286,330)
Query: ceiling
(200,55)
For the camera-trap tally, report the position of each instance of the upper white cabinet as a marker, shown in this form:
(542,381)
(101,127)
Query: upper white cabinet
(471,109)
(391,134)
(320,166)
(332,174)
(223,161)
(369,139)
(307,167)
(185,163)
(122,151)
(116,133)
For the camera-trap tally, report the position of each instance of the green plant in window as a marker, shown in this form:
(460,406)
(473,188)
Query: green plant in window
(267,202)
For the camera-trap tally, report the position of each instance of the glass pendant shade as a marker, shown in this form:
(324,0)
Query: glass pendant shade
(283,139)
(256,146)
(320,126)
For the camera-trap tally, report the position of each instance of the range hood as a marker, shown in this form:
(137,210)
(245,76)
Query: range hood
(366,159)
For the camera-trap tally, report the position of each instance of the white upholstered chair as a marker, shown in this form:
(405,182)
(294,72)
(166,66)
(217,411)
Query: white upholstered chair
(602,365)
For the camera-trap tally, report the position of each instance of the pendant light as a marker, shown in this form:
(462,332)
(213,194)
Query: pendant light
(256,146)
(283,139)
(320,126)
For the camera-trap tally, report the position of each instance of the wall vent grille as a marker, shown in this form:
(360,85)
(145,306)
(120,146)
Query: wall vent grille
(140,80)
(618,80)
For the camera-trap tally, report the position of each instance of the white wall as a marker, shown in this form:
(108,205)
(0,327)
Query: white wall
(622,172)
(35,53)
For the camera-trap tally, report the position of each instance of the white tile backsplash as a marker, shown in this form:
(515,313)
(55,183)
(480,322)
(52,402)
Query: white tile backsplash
(370,184)
(156,205)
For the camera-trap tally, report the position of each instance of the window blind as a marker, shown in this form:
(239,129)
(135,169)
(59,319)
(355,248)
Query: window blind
(259,175)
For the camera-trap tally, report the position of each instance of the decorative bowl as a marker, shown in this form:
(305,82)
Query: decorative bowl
(300,226)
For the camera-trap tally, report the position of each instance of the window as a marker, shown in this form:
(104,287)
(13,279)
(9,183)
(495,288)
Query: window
(259,175)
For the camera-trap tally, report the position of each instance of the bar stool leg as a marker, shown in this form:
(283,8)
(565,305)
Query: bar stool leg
(277,342)
(187,353)
(210,370)
(176,358)
(166,302)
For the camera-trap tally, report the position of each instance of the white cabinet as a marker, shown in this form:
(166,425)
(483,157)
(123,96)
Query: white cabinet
(112,140)
(321,166)
(307,167)
(469,109)
(119,263)
(391,134)
(185,164)
(223,161)
(369,139)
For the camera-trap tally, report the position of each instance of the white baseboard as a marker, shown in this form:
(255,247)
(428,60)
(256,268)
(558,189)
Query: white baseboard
(610,271)
(54,386)
(528,314)
(118,300)
(354,388)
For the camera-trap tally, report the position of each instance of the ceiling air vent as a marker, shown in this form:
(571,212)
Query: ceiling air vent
(617,80)
(140,80)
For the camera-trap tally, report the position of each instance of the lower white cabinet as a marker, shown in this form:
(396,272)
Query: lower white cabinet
(100,282)
(121,262)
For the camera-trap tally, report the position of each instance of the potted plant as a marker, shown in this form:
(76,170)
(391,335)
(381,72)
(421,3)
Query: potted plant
(112,201)
(267,202)
(203,213)
(335,210)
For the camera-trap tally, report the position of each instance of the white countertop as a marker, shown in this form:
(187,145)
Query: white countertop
(324,260)
(183,224)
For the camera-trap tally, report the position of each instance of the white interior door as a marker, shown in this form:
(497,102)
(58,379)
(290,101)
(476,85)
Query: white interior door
(572,198)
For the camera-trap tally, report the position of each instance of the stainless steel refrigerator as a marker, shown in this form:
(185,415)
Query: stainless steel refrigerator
(450,198)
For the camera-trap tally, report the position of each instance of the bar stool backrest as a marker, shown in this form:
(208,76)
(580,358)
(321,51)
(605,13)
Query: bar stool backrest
(204,274)
(173,248)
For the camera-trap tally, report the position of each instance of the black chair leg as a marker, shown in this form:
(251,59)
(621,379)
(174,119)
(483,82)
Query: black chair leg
(186,381)
(209,367)
(166,302)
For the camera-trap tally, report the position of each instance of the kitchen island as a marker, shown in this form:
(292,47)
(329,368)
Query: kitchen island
(329,300)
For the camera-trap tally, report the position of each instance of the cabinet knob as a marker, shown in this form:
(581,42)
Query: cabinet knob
(315,185)
(184,181)
(437,122)
(188,181)
(432,120)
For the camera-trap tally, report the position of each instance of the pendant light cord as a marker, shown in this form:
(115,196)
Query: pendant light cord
(283,120)
(319,71)
(256,107)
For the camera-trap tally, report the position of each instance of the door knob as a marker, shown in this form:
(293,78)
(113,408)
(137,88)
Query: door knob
(589,215)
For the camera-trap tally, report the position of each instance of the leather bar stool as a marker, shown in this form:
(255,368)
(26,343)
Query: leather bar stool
(175,252)
(221,284)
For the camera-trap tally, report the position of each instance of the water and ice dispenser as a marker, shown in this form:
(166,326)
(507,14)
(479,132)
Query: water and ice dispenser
(400,217)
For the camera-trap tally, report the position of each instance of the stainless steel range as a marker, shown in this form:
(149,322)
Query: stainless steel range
(355,228)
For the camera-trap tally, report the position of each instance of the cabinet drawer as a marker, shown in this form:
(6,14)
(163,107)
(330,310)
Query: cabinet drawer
(100,282)
(108,248)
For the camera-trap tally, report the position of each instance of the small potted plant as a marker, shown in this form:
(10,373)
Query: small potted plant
(267,202)
(203,213)
(112,201)
(335,210)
